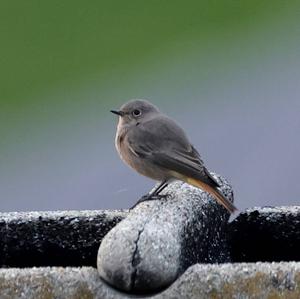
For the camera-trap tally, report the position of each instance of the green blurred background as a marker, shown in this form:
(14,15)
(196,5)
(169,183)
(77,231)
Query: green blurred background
(228,71)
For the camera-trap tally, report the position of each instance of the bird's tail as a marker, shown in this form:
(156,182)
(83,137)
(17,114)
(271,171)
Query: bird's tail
(220,198)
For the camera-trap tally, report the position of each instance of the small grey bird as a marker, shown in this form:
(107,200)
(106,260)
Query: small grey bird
(157,147)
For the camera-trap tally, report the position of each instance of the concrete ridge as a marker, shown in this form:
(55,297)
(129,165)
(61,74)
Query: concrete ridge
(241,280)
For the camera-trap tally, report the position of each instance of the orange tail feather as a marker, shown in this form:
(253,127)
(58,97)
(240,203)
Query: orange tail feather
(219,197)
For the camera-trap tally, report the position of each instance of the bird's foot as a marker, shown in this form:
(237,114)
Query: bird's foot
(149,197)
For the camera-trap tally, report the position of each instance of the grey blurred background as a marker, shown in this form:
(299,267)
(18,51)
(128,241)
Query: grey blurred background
(227,71)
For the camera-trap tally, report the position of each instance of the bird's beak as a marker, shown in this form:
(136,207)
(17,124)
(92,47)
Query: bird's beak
(120,113)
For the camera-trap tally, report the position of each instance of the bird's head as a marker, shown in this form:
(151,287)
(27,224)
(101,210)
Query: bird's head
(135,112)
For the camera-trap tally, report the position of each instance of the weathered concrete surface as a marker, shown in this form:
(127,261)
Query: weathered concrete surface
(226,281)
(266,234)
(160,239)
(255,281)
(61,238)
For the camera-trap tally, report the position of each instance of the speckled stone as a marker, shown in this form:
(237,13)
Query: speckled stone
(160,239)
(226,281)
(266,234)
(61,238)
(243,281)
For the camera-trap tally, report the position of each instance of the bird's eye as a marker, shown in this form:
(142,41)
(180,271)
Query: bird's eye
(136,112)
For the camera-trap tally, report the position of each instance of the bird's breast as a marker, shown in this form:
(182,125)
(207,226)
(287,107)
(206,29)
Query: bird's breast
(132,159)
(119,143)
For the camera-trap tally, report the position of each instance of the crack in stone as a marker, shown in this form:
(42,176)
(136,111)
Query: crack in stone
(135,260)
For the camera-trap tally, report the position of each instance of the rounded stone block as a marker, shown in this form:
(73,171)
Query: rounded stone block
(160,239)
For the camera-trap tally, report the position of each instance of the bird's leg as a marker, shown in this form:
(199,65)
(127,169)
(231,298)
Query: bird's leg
(159,188)
(154,195)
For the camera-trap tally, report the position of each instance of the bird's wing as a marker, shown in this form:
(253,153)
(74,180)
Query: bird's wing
(165,144)
(184,163)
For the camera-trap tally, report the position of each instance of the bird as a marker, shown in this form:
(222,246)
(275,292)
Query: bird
(155,146)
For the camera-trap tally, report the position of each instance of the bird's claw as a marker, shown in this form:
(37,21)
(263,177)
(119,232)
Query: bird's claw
(149,197)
